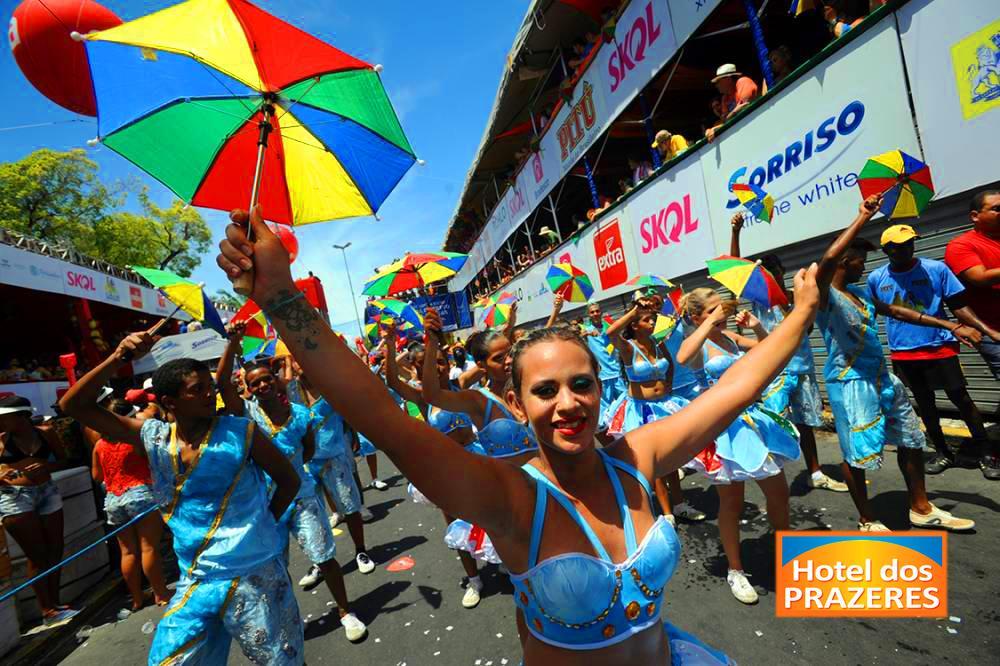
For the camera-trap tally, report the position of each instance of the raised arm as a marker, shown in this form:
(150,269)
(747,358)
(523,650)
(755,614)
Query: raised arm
(676,439)
(224,372)
(476,488)
(736,224)
(508,329)
(80,401)
(746,319)
(466,401)
(834,253)
(557,304)
(392,379)
(690,350)
(470,377)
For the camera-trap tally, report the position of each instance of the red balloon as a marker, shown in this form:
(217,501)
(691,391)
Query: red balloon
(55,63)
(287,238)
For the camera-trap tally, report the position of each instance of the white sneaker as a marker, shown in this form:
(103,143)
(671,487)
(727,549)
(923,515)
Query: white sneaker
(312,577)
(471,598)
(741,587)
(354,629)
(873,526)
(824,482)
(688,512)
(366,515)
(335,519)
(940,519)
(365,564)
(379,484)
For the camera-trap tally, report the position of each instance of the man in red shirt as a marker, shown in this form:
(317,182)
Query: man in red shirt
(975,258)
(737,91)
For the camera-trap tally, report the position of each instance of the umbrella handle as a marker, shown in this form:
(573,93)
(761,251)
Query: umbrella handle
(243,284)
(127,356)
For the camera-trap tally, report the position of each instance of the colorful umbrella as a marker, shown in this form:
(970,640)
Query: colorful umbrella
(650,280)
(665,325)
(191,93)
(188,296)
(273,348)
(754,199)
(904,182)
(258,329)
(747,279)
(414,271)
(672,303)
(383,310)
(569,282)
(497,314)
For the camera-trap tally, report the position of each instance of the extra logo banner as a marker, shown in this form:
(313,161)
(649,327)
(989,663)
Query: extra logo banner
(850,574)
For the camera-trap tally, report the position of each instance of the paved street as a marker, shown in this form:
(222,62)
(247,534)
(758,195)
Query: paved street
(415,617)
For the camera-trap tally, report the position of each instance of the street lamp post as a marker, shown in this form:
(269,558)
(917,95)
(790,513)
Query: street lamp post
(350,285)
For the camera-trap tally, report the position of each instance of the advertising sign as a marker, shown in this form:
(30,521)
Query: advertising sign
(688,15)
(204,345)
(807,146)
(445,306)
(953,61)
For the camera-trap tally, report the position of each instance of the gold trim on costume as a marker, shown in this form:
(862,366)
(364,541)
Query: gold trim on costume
(229,597)
(217,521)
(175,455)
(184,599)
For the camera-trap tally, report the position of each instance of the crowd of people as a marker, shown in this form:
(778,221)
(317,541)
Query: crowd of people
(599,416)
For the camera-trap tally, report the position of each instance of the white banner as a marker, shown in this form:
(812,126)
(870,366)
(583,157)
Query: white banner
(687,15)
(204,345)
(644,41)
(806,147)
(23,268)
(953,61)
(671,224)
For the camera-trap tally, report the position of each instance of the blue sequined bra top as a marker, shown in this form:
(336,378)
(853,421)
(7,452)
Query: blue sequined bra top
(581,602)
(445,422)
(644,370)
(504,436)
(715,366)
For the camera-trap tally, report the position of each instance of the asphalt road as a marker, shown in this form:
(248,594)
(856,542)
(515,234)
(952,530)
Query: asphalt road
(415,617)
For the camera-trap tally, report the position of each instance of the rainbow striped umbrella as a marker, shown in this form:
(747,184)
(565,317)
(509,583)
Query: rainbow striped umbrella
(665,325)
(386,309)
(497,314)
(904,181)
(650,280)
(569,282)
(186,295)
(199,92)
(747,279)
(414,271)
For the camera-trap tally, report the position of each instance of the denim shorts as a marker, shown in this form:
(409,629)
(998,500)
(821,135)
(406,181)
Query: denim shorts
(122,508)
(43,499)
(990,351)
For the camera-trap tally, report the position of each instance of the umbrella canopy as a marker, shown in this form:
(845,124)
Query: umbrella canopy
(759,203)
(569,282)
(414,271)
(747,279)
(188,296)
(187,92)
(385,309)
(258,329)
(650,280)
(273,348)
(904,181)
(665,325)
(497,314)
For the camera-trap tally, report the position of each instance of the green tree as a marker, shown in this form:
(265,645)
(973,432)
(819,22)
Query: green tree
(228,299)
(58,196)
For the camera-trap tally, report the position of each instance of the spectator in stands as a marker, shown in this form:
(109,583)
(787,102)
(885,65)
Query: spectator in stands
(624,186)
(549,241)
(524,259)
(843,15)
(125,476)
(737,91)
(781,64)
(925,358)
(30,503)
(669,145)
(975,258)
(640,169)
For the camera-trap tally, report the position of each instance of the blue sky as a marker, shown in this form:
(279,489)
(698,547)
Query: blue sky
(441,65)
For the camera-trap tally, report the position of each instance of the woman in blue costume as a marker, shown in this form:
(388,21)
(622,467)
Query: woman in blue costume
(583,604)
(456,425)
(649,370)
(757,443)
(208,478)
(290,427)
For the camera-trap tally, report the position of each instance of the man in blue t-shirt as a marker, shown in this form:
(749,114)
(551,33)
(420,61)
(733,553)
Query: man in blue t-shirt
(925,358)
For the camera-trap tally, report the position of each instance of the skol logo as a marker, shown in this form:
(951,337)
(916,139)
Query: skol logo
(80,281)
(581,118)
(632,48)
(852,574)
(667,225)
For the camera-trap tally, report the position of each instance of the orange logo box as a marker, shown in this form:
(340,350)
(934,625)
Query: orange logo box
(859,574)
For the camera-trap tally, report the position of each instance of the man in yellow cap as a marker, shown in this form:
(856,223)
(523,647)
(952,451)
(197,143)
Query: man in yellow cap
(926,358)
(668,145)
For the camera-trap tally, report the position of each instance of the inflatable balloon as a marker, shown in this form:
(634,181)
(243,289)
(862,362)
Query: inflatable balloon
(50,58)
(287,238)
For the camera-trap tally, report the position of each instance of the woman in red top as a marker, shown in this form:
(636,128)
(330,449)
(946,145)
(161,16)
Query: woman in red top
(125,475)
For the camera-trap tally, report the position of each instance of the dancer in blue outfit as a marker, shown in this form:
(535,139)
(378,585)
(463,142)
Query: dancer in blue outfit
(208,478)
(595,333)
(795,393)
(870,405)
(555,388)
(290,427)
(456,425)
(755,446)
(649,370)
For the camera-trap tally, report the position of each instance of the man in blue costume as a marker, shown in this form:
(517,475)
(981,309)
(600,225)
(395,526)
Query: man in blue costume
(208,479)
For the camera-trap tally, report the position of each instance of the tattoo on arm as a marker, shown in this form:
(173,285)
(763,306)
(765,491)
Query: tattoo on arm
(298,315)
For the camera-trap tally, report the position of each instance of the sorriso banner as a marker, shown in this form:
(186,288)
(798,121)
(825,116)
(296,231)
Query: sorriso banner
(807,146)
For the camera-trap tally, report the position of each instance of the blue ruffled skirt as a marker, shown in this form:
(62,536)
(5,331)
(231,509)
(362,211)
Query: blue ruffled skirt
(627,413)
(687,650)
(756,446)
